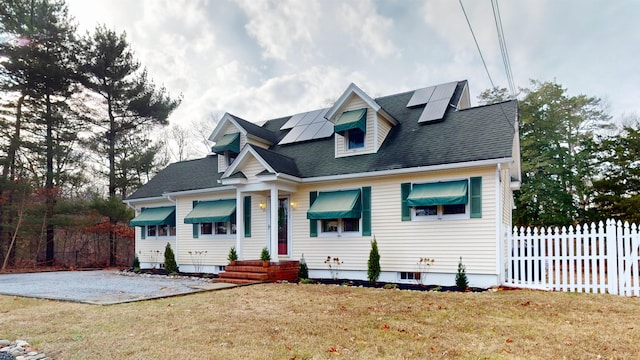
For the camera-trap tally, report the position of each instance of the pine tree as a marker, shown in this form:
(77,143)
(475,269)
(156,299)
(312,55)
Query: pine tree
(373,265)
(132,104)
(461,276)
(170,264)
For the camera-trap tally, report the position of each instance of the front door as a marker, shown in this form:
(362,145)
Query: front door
(283,226)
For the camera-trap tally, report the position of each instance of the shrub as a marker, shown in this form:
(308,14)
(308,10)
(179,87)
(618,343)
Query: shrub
(233,255)
(303,272)
(136,263)
(170,264)
(461,276)
(264,255)
(373,269)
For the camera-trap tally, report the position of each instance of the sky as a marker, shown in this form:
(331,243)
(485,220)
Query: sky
(261,60)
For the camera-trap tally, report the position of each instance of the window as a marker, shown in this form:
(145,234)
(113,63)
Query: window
(219,228)
(230,157)
(355,139)
(161,230)
(458,211)
(340,226)
(152,230)
(409,276)
(206,228)
(436,200)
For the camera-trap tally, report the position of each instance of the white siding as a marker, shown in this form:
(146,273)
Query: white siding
(383,130)
(253,245)
(150,250)
(216,249)
(251,168)
(402,243)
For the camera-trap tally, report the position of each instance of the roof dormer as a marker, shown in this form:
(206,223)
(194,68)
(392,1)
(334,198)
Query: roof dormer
(232,134)
(360,123)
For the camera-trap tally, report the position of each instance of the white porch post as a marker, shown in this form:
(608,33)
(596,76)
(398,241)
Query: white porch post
(273,247)
(239,223)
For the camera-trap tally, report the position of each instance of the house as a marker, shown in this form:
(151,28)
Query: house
(422,171)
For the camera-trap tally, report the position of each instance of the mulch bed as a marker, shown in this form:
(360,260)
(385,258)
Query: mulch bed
(386,285)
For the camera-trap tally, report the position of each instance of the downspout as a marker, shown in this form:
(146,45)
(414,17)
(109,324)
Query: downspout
(500,237)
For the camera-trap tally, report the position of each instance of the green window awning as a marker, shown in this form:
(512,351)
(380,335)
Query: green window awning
(165,215)
(352,119)
(229,142)
(336,205)
(441,193)
(211,211)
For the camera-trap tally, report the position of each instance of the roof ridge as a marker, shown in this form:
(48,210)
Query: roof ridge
(487,105)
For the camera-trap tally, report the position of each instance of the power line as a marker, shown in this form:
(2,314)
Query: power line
(503,46)
(506,118)
(477,46)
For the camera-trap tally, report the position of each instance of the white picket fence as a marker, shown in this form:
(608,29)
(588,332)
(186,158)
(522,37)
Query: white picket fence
(597,258)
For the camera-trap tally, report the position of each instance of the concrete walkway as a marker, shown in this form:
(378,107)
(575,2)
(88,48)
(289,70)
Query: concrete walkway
(104,287)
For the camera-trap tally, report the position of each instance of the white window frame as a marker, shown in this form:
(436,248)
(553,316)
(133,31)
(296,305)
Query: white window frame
(346,142)
(230,226)
(227,157)
(157,227)
(340,232)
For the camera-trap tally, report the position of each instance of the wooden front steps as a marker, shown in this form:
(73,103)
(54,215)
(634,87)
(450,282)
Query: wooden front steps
(253,272)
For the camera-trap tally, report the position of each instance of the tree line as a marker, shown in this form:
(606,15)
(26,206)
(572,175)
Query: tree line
(578,166)
(76,111)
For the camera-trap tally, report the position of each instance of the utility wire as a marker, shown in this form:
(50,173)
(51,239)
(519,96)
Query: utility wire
(506,118)
(503,47)
(477,46)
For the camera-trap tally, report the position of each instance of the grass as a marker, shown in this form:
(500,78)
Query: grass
(290,321)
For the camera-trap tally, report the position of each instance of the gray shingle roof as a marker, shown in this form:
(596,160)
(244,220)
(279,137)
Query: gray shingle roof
(254,129)
(473,134)
(182,176)
(279,162)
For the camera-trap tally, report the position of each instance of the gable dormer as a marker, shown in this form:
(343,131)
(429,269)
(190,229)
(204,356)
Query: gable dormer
(360,124)
(232,134)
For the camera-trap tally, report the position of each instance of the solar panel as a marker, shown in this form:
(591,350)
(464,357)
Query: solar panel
(310,132)
(292,135)
(307,126)
(444,91)
(319,117)
(292,122)
(325,131)
(434,110)
(421,96)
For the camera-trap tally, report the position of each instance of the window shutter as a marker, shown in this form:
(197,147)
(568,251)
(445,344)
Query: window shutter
(313,224)
(196,227)
(476,197)
(405,189)
(247,216)
(143,232)
(366,211)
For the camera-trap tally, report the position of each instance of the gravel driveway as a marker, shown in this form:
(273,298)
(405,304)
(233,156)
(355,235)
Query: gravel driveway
(103,287)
